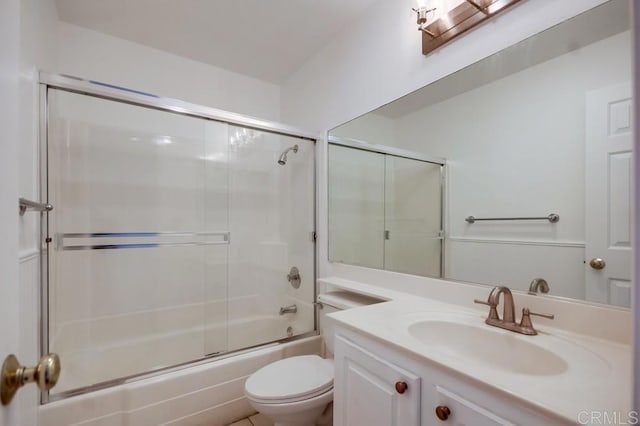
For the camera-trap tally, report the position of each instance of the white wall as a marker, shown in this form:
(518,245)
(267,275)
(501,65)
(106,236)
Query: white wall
(96,56)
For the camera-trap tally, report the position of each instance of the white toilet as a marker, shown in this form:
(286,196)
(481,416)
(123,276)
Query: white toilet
(298,391)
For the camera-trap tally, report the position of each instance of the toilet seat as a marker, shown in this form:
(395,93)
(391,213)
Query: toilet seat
(290,380)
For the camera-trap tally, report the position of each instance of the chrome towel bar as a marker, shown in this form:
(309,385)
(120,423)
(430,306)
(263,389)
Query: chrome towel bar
(553,218)
(24,205)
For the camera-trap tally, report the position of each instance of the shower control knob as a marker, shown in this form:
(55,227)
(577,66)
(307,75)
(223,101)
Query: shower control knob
(294,277)
(401,387)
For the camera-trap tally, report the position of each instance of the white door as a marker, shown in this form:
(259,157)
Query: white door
(369,391)
(22,407)
(609,186)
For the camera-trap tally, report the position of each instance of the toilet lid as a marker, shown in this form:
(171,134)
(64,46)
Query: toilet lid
(291,379)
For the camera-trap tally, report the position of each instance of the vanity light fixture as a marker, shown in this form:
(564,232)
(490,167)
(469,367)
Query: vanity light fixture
(440,21)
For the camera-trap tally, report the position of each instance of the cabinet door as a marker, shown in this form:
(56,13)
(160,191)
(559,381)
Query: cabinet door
(462,412)
(365,391)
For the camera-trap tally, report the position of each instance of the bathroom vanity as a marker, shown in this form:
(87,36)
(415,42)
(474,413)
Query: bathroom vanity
(419,361)
(378,386)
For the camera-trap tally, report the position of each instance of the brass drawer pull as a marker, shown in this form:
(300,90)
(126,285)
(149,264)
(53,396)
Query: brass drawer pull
(401,387)
(443,412)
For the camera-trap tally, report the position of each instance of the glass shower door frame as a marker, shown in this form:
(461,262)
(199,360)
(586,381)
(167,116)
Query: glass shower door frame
(147,100)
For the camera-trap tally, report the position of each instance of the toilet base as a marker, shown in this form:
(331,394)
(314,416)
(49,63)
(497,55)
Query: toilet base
(310,412)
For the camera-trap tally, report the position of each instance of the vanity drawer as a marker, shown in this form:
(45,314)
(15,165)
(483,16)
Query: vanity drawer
(449,407)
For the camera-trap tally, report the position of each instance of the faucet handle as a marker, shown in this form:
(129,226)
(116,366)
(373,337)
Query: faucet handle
(493,312)
(548,316)
(525,322)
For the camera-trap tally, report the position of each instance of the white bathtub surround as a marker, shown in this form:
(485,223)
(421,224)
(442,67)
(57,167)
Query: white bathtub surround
(118,344)
(593,368)
(210,393)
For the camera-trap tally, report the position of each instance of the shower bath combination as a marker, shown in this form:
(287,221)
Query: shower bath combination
(183,248)
(283,157)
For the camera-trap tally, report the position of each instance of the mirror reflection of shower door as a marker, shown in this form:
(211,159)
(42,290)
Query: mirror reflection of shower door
(413,216)
(385,211)
(356,207)
(137,266)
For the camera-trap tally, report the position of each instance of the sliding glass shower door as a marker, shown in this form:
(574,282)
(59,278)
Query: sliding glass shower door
(171,238)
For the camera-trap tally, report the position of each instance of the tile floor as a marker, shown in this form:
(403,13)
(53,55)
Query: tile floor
(255,420)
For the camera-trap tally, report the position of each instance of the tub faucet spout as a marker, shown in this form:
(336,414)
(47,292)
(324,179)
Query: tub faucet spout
(288,309)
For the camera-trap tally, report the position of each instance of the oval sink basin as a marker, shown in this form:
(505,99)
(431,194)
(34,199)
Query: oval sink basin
(503,350)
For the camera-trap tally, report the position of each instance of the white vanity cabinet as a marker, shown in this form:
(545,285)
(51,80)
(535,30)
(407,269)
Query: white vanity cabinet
(371,391)
(377,385)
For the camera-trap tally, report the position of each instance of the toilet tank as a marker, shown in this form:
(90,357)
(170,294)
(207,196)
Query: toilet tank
(334,301)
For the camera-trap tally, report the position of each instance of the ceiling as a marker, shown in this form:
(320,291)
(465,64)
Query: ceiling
(265,39)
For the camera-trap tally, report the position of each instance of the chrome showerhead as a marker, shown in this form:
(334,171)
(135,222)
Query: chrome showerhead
(283,157)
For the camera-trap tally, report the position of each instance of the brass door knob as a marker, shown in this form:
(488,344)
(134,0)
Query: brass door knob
(45,375)
(443,412)
(597,263)
(401,387)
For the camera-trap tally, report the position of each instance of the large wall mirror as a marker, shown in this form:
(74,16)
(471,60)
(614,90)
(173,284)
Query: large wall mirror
(541,128)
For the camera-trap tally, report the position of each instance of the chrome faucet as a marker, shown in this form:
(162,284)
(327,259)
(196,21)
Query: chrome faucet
(292,309)
(538,285)
(508,321)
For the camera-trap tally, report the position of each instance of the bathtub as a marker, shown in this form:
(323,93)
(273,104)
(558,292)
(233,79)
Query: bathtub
(210,393)
(102,351)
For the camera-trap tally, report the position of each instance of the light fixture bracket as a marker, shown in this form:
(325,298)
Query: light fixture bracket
(421,15)
(456,21)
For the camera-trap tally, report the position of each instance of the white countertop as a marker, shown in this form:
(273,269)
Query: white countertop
(597,375)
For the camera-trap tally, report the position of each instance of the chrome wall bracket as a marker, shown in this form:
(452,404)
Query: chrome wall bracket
(24,205)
